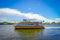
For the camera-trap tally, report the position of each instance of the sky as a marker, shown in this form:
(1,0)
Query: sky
(43,9)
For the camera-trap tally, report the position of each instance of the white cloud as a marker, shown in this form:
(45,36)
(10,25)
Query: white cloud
(10,14)
(57,20)
(9,11)
(2,19)
(17,14)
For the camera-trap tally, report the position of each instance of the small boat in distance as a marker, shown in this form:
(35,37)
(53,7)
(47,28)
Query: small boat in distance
(29,24)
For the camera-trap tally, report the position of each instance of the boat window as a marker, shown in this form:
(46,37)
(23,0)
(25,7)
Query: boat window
(24,24)
(30,24)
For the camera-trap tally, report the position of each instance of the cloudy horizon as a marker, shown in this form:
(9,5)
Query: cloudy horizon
(14,15)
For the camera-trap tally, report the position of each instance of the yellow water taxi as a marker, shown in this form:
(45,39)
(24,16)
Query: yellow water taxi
(28,24)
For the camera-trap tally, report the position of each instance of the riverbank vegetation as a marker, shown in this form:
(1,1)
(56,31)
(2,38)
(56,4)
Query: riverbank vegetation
(10,23)
(7,23)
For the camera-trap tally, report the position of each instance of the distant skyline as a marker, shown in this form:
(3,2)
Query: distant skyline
(49,9)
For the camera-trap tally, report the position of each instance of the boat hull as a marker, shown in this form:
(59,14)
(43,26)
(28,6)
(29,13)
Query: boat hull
(17,27)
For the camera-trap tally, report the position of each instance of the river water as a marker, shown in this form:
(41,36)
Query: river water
(51,32)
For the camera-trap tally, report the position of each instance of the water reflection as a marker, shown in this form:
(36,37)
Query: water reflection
(29,34)
(7,32)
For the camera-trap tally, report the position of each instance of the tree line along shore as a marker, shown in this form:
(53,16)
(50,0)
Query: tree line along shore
(10,23)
